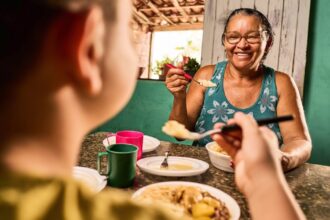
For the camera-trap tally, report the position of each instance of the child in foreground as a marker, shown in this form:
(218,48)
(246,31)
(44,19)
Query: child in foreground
(67,66)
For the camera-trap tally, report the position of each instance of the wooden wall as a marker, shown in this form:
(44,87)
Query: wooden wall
(142,46)
(289,19)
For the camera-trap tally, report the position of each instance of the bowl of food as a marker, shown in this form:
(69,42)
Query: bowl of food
(219,158)
(195,200)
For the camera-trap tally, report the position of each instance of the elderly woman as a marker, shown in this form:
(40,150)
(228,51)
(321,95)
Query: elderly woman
(244,84)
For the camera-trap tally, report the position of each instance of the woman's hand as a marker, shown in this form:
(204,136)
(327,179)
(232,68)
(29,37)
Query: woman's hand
(284,159)
(253,151)
(176,83)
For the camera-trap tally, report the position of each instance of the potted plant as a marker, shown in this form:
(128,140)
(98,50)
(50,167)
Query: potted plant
(191,66)
(159,67)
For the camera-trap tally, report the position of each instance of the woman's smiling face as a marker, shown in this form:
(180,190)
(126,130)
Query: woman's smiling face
(244,55)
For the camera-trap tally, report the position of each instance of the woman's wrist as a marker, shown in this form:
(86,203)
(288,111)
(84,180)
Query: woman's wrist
(180,98)
(294,154)
(285,162)
(290,161)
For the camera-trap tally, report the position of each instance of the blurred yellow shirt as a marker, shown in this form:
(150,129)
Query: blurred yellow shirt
(27,197)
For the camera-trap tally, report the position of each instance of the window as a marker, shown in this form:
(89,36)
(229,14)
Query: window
(171,46)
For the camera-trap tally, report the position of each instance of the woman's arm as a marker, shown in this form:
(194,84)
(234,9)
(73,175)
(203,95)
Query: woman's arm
(187,105)
(297,142)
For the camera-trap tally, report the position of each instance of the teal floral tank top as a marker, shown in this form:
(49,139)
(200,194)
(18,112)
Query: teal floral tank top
(216,107)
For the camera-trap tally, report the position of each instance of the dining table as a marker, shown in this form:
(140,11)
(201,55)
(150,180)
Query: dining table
(310,183)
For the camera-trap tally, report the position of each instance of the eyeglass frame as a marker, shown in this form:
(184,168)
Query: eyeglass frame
(245,37)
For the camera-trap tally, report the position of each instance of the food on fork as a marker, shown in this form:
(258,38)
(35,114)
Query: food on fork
(189,200)
(206,83)
(175,129)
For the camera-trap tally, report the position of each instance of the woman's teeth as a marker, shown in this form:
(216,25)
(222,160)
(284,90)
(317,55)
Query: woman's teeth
(242,54)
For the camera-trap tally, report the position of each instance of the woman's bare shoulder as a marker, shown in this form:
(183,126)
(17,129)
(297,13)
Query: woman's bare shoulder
(205,72)
(282,77)
(284,82)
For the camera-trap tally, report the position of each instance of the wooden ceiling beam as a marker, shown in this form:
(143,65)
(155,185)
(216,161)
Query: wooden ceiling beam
(142,16)
(139,20)
(172,7)
(179,16)
(179,27)
(159,13)
(181,10)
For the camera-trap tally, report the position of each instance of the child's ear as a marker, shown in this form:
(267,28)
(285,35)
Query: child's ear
(91,51)
(83,46)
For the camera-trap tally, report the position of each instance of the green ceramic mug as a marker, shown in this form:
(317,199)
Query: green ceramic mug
(120,165)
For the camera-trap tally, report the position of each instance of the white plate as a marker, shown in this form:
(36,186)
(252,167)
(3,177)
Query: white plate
(224,197)
(90,177)
(149,143)
(152,165)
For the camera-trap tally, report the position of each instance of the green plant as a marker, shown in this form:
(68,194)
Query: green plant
(192,66)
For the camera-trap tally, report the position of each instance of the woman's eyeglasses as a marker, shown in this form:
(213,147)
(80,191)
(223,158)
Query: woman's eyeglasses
(251,38)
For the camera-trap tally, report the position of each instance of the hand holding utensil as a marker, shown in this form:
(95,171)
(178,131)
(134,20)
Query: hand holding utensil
(205,83)
(186,75)
(175,129)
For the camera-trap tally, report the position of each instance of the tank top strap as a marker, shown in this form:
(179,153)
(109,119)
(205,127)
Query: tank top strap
(217,78)
(219,71)
(270,80)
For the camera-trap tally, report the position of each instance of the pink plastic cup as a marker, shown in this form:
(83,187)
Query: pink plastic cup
(131,137)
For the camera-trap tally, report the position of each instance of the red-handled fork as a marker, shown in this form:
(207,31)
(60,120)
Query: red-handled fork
(186,75)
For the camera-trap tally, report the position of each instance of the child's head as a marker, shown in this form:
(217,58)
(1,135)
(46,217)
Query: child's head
(62,57)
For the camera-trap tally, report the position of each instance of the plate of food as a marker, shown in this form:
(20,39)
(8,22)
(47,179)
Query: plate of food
(90,177)
(149,143)
(196,200)
(177,166)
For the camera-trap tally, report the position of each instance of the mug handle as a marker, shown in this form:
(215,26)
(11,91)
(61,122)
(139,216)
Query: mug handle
(98,165)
